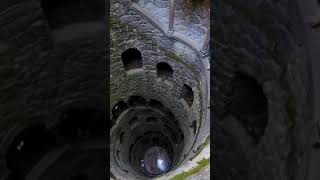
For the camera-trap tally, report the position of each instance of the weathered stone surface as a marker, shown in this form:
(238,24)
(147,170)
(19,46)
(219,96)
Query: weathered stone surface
(40,78)
(261,40)
(130,29)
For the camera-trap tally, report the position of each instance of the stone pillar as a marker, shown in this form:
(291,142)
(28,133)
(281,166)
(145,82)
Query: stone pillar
(171,16)
(206,44)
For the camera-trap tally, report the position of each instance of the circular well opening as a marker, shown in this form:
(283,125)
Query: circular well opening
(156,161)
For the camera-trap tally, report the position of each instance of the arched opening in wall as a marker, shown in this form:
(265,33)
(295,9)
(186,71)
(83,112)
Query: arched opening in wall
(187,94)
(151,119)
(118,154)
(165,120)
(80,176)
(156,104)
(145,141)
(170,115)
(175,122)
(155,140)
(60,13)
(181,135)
(112,176)
(249,104)
(133,121)
(122,137)
(118,109)
(27,149)
(153,130)
(194,126)
(131,59)
(82,124)
(136,101)
(164,70)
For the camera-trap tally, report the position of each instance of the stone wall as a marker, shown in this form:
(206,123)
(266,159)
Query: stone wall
(263,40)
(133,29)
(43,72)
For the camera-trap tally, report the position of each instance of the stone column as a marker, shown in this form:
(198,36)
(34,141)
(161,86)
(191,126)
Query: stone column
(206,44)
(171,16)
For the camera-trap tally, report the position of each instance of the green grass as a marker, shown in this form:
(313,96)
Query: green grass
(201,165)
(206,142)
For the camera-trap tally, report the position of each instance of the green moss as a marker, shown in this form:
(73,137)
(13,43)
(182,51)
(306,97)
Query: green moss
(200,100)
(206,142)
(142,36)
(113,21)
(201,165)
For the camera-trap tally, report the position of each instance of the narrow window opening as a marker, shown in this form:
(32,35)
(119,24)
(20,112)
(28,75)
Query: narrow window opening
(249,104)
(131,59)
(156,104)
(164,70)
(122,137)
(118,109)
(136,101)
(170,115)
(117,154)
(187,94)
(133,121)
(155,140)
(194,126)
(151,119)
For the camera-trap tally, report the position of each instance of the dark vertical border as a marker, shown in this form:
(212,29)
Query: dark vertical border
(107,58)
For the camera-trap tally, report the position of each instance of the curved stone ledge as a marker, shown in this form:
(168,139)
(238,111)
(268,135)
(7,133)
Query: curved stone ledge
(175,35)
